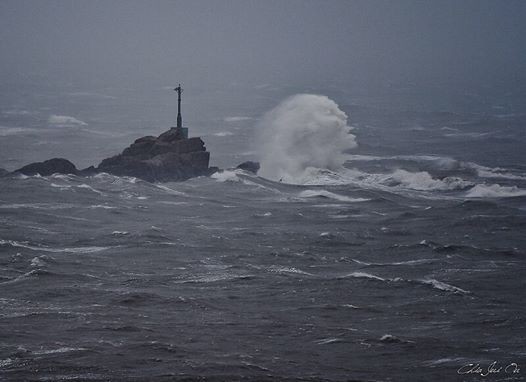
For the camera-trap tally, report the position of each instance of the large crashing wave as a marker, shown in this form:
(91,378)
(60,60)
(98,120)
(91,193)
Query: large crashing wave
(305,140)
(303,132)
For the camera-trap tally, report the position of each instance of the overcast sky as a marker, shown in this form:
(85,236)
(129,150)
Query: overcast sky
(92,42)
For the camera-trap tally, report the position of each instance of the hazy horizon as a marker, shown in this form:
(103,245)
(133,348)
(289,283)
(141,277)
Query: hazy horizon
(208,43)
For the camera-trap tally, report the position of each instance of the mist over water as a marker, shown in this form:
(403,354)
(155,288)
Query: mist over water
(302,133)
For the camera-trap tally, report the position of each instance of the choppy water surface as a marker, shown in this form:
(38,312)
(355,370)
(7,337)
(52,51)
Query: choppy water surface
(404,265)
(110,277)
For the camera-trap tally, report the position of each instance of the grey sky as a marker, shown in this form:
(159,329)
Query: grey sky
(263,41)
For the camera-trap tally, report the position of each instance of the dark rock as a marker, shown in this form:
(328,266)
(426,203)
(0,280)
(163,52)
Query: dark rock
(88,171)
(174,134)
(49,167)
(169,157)
(249,166)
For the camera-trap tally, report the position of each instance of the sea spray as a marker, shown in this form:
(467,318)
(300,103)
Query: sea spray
(305,131)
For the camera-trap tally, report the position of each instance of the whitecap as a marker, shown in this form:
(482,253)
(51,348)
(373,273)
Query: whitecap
(443,286)
(88,187)
(441,361)
(38,262)
(326,341)
(103,206)
(23,276)
(330,195)
(169,190)
(89,249)
(65,121)
(120,233)
(211,278)
(497,172)
(61,186)
(58,350)
(494,191)
(263,215)
(408,262)
(351,306)
(420,181)
(223,134)
(172,202)
(282,269)
(363,275)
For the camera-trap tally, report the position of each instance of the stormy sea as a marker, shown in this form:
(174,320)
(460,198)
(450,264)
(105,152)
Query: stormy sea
(383,238)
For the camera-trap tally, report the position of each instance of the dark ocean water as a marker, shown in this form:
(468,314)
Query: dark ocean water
(404,266)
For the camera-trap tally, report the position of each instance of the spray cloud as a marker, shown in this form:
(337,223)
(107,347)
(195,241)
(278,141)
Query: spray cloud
(304,133)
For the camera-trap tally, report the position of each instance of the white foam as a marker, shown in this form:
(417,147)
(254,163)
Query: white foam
(440,361)
(226,176)
(389,338)
(223,134)
(422,181)
(488,172)
(282,269)
(105,207)
(396,263)
(397,180)
(5,362)
(443,163)
(364,275)
(65,121)
(237,119)
(443,286)
(61,186)
(330,195)
(120,233)
(210,278)
(67,177)
(38,206)
(38,262)
(325,341)
(89,249)
(88,187)
(495,191)
(59,350)
(170,190)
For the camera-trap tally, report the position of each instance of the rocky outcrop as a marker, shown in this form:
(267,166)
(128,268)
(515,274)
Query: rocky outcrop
(168,157)
(249,166)
(49,167)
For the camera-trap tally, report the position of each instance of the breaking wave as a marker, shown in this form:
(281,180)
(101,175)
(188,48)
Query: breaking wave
(305,140)
(494,191)
(304,131)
